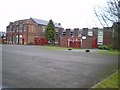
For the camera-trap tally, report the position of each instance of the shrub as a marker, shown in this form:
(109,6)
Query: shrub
(104,47)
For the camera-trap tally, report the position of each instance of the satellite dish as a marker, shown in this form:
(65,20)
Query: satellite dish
(83,37)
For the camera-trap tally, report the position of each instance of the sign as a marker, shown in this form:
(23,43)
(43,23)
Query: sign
(83,37)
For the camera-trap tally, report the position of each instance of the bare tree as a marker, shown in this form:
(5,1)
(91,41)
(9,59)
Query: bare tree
(109,13)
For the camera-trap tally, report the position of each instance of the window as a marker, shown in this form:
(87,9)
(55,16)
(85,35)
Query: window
(56,29)
(79,34)
(16,39)
(64,33)
(100,37)
(43,29)
(71,33)
(90,33)
(20,27)
(20,39)
(17,23)
(16,28)
(56,33)
(25,28)
(7,29)
(10,29)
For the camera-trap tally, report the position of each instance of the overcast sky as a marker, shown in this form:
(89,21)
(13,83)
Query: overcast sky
(70,13)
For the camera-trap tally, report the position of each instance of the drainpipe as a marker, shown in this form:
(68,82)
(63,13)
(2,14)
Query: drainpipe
(27,36)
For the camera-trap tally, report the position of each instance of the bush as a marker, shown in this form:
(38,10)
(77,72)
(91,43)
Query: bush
(104,47)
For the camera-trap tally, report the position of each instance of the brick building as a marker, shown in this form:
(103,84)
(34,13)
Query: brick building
(2,37)
(108,36)
(25,31)
(79,38)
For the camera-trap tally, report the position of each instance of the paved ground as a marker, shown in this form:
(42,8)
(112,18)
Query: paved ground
(36,67)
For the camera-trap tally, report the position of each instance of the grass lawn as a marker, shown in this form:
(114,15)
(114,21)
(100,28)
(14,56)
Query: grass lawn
(54,48)
(57,48)
(112,52)
(110,82)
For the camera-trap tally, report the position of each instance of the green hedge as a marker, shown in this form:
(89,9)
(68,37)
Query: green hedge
(104,47)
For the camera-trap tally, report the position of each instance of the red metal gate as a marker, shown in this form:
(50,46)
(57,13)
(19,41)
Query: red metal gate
(75,44)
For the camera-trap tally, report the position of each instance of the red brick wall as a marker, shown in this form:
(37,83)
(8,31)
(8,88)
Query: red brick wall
(32,30)
(85,31)
(64,41)
(60,35)
(107,37)
(87,43)
(67,32)
(76,30)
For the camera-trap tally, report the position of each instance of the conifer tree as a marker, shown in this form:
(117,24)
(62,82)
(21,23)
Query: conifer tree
(50,32)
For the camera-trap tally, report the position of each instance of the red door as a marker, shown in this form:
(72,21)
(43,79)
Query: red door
(94,43)
(22,41)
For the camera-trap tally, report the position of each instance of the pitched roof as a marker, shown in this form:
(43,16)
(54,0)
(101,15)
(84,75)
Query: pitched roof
(43,22)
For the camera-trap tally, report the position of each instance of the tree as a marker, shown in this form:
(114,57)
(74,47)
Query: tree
(3,36)
(110,14)
(50,32)
(116,39)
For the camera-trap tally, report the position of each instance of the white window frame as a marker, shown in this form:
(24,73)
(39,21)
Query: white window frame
(90,33)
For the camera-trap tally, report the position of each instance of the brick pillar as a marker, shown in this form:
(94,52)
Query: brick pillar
(67,32)
(85,31)
(76,31)
(67,36)
(95,38)
(95,32)
(60,35)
